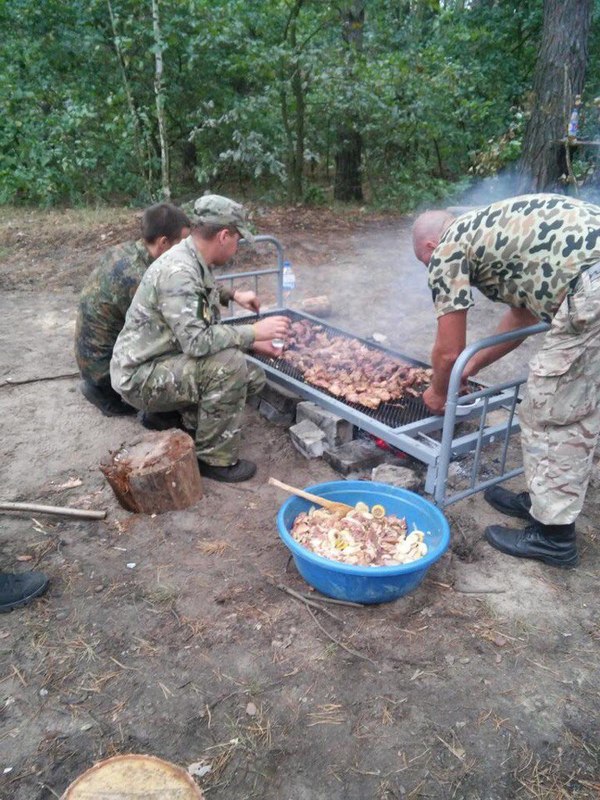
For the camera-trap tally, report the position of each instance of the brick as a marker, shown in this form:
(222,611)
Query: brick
(394,475)
(337,430)
(308,439)
(274,415)
(359,454)
(280,398)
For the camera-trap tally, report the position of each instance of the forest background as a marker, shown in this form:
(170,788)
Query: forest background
(394,103)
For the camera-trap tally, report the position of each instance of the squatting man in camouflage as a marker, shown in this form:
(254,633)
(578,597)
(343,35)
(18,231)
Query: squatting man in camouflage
(539,254)
(106,297)
(175,354)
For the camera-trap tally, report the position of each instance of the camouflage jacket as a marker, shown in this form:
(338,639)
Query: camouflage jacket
(523,251)
(175,310)
(103,304)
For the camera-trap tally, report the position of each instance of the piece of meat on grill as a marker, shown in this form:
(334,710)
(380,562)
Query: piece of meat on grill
(350,369)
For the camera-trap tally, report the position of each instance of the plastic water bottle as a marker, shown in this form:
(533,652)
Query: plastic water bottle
(289,282)
(574,124)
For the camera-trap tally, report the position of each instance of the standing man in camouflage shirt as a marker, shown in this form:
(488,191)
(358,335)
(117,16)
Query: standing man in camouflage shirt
(539,254)
(174,354)
(106,297)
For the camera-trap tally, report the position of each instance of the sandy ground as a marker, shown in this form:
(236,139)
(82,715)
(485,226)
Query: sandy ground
(482,684)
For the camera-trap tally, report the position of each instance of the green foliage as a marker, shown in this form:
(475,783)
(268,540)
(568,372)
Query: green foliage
(255,94)
(502,150)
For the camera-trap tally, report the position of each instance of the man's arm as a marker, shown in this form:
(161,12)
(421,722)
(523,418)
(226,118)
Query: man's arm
(511,320)
(247,300)
(449,344)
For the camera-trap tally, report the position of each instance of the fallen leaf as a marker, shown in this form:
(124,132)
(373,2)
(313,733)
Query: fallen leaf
(199,769)
(24,558)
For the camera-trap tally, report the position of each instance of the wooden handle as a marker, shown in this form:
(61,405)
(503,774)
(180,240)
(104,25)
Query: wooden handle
(61,512)
(300,492)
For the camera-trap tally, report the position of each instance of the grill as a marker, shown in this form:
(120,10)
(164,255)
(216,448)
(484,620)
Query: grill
(407,424)
(392,415)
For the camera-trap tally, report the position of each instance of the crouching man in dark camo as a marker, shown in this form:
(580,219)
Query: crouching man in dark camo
(174,354)
(106,297)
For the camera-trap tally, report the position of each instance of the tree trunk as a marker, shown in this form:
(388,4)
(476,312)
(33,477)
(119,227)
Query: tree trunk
(559,76)
(127,87)
(348,179)
(294,123)
(188,161)
(160,104)
(348,152)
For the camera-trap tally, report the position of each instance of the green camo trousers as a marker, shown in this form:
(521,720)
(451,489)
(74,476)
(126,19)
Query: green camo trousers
(560,416)
(209,392)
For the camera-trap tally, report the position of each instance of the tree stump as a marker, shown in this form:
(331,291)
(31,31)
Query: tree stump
(156,473)
(133,776)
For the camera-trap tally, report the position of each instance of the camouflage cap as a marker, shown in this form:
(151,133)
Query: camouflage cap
(214,209)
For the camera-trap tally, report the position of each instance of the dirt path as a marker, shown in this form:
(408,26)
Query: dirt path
(482,684)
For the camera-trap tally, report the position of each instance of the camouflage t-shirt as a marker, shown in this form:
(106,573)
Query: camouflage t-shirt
(523,251)
(175,310)
(103,304)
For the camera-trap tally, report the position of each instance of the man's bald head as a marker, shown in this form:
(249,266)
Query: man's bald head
(427,232)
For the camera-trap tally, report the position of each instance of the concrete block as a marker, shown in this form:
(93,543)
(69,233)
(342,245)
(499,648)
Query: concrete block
(359,454)
(404,477)
(337,430)
(275,415)
(308,439)
(280,398)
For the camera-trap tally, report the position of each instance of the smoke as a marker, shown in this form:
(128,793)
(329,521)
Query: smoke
(490,190)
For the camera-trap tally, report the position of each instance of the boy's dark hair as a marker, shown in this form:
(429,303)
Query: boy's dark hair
(163,219)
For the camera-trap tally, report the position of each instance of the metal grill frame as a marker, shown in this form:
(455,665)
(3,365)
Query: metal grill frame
(417,438)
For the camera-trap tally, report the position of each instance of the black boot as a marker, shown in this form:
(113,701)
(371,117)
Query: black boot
(161,421)
(106,399)
(19,589)
(552,544)
(510,503)
(242,470)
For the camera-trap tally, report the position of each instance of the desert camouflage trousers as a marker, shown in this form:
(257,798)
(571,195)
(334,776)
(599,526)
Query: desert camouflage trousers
(560,416)
(209,392)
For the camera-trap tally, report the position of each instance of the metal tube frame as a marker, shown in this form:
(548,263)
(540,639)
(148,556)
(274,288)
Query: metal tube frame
(437,475)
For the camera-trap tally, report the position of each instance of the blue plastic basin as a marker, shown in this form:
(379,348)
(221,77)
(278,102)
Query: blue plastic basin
(367,584)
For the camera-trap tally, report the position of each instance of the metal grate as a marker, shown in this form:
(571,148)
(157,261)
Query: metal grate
(394,415)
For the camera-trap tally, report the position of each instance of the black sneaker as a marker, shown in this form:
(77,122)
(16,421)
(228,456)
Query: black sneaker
(507,502)
(19,589)
(106,400)
(162,421)
(242,470)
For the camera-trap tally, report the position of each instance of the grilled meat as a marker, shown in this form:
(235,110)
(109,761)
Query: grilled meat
(350,369)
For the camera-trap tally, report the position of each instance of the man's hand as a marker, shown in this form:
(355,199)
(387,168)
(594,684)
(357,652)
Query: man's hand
(434,402)
(271,328)
(247,300)
(266,349)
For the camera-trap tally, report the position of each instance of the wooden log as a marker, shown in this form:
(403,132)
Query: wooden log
(319,306)
(156,473)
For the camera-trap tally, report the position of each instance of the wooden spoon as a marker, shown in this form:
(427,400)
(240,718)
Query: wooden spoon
(331,505)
